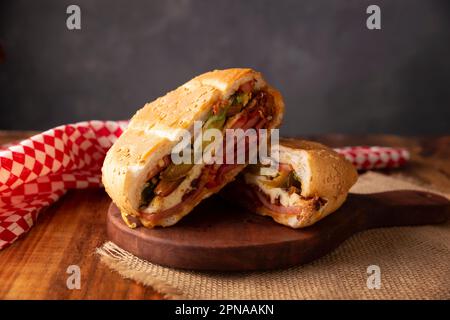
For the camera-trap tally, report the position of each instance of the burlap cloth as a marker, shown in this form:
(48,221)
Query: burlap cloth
(414,264)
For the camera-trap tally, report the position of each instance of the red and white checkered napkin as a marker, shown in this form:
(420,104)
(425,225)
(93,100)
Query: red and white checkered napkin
(38,171)
(368,158)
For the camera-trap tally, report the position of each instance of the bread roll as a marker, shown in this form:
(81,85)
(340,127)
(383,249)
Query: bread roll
(137,168)
(312,181)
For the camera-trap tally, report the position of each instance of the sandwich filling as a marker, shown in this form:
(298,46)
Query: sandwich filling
(280,192)
(171,185)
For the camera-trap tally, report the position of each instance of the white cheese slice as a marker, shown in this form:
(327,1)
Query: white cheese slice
(174,198)
(286,199)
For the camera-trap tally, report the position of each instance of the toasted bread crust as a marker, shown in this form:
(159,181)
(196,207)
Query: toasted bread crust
(153,132)
(324,174)
(331,174)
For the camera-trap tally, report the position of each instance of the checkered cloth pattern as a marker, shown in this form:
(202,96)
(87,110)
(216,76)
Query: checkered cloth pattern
(36,172)
(369,158)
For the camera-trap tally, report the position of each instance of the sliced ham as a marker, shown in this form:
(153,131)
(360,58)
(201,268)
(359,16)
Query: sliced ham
(308,205)
(276,208)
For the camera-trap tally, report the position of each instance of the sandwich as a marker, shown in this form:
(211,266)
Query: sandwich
(139,173)
(310,182)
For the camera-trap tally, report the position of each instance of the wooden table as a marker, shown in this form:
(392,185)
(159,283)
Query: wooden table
(68,232)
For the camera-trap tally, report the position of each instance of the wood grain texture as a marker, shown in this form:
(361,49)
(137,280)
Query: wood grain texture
(69,231)
(235,239)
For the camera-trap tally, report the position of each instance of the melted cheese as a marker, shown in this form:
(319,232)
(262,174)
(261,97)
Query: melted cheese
(286,199)
(174,198)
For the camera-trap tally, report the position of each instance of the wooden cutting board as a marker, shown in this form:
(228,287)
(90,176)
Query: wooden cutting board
(220,236)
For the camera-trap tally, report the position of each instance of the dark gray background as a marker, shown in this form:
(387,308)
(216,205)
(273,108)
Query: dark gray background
(335,74)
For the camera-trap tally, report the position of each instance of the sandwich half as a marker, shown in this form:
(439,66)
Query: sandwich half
(138,172)
(311,182)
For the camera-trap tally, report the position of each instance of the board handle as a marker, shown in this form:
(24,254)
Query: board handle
(400,208)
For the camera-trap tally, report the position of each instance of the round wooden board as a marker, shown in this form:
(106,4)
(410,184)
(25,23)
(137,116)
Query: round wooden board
(220,236)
